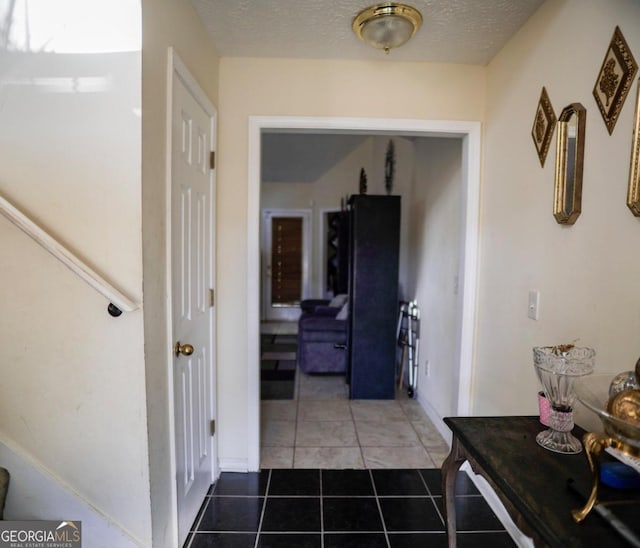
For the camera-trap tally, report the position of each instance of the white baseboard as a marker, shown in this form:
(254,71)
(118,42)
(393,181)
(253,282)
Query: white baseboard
(234,465)
(36,493)
(435,418)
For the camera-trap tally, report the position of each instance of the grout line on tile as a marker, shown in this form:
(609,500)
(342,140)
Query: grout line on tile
(433,501)
(363,532)
(384,525)
(403,496)
(294,496)
(203,509)
(418,436)
(225,532)
(321,513)
(424,482)
(355,429)
(264,508)
(295,431)
(483,531)
(351,496)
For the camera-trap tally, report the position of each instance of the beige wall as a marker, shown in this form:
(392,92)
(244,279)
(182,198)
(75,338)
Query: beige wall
(586,273)
(435,241)
(303,88)
(403,180)
(72,396)
(165,23)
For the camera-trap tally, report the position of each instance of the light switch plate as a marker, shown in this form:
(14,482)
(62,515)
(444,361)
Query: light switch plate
(534,304)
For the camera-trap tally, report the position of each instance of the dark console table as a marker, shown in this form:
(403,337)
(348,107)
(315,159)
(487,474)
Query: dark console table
(533,483)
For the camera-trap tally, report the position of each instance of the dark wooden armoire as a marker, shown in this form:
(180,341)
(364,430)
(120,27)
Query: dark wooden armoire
(374,251)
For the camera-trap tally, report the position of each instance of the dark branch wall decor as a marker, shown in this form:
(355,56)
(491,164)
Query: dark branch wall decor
(363,181)
(389,167)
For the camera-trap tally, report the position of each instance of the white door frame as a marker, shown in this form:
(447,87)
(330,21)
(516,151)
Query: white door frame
(177,69)
(470,133)
(267,214)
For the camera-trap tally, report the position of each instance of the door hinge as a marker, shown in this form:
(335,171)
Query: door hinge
(212,159)
(213,428)
(212,297)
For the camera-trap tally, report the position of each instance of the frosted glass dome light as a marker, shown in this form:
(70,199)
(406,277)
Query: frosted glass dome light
(388,25)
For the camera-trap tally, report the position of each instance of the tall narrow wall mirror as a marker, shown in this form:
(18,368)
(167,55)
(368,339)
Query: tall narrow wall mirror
(633,196)
(567,201)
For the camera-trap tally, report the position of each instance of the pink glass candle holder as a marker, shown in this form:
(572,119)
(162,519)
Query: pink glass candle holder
(557,368)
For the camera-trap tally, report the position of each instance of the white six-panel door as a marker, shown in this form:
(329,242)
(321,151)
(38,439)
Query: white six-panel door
(192,306)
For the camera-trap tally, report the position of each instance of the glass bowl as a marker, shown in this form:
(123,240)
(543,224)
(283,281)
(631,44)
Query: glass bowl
(593,392)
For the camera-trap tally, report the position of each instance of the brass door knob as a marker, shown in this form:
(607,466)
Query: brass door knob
(184,349)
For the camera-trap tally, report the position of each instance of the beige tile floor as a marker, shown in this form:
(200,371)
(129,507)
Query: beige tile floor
(322,428)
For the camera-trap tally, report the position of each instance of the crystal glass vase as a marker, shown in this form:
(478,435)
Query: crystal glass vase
(557,367)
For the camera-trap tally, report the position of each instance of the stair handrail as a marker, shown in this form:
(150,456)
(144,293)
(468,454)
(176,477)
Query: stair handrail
(118,301)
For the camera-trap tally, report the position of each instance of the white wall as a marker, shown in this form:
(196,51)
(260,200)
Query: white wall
(165,23)
(435,208)
(303,88)
(73,394)
(586,273)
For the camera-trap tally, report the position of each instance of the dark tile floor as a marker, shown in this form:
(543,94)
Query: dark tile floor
(341,509)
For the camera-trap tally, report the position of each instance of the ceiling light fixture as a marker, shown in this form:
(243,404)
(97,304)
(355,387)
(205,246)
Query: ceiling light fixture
(387,25)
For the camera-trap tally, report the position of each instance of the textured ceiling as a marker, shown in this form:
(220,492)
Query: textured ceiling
(454,31)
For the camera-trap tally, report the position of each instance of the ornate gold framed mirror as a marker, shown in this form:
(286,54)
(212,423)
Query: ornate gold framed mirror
(567,200)
(633,195)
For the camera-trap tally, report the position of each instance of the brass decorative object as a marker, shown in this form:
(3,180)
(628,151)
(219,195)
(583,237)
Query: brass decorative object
(633,196)
(543,125)
(567,200)
(619,411)
(614,80)
(387,25)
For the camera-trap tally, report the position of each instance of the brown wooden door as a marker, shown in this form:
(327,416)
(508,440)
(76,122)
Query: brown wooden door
(286,261)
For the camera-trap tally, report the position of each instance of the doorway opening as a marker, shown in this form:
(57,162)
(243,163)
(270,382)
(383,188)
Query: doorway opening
(468,134)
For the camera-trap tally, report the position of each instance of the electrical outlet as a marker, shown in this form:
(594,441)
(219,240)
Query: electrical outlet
(427,371)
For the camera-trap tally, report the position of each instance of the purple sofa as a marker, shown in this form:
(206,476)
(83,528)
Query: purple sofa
(310,305)
(322,341)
